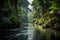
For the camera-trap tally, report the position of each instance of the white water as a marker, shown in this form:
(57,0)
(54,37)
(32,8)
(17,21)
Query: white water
(30,32)
(30,26)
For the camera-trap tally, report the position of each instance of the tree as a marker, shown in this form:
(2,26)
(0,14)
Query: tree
(48,16)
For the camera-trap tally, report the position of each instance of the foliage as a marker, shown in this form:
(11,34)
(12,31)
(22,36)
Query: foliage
(9,13)
(47,14)
(50,16)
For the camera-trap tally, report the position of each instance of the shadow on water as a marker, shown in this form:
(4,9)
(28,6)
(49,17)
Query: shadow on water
(45,34)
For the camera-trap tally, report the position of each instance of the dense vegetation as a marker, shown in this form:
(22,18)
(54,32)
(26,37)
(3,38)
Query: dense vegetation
(9,14)
(46,14)
(46,17)
(9,18)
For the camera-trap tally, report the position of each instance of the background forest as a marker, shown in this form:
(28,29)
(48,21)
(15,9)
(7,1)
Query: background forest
(45,17)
